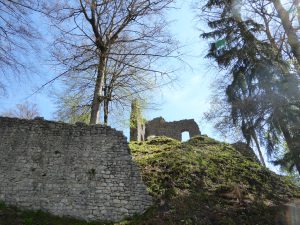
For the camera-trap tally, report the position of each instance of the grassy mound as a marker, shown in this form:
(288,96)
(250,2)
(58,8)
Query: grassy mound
(202,181)
(196,182)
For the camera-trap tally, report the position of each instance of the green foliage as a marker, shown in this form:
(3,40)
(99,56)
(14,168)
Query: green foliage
(220,43)
(28,221)
(201,140)
(2,205)
(186,177)
(70,107)
(172,167)
(263,92)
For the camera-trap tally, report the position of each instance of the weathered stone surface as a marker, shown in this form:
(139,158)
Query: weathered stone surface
(72,170)
(159,127)
(140,130)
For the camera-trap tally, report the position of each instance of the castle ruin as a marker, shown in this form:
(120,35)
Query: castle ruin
(141,130)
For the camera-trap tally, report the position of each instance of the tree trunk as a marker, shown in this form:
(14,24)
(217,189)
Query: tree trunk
(296,154)
(254,136)
(288,28)
(95,108)
(293,147)
(105,112)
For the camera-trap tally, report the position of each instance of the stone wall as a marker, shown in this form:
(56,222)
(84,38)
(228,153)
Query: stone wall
(73,170)
(159,127)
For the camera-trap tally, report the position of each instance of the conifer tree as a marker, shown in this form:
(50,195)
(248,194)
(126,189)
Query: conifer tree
(263,92)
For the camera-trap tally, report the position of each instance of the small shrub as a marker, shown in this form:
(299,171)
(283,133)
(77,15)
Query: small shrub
(2,205)
(28,221)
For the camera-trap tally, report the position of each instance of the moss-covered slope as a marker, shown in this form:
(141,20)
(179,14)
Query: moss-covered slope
(203,181)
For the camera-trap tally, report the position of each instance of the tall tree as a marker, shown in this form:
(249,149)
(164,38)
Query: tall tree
(264,87)
(92,33)
(123,83)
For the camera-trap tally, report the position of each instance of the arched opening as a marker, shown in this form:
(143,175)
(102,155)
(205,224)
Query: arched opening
(185,136)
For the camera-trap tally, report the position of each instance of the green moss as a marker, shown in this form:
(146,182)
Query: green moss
(202,140)
(186,177)
(172,166)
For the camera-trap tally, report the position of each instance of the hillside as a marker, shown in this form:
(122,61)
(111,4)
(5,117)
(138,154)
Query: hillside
(197,182)
(201,181)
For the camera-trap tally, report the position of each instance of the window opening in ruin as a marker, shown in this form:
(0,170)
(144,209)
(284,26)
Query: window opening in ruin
(185,136)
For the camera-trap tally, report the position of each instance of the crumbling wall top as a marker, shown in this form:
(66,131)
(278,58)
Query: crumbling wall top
(159,127)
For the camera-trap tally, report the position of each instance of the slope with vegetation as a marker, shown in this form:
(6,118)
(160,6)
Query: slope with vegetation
(201,181)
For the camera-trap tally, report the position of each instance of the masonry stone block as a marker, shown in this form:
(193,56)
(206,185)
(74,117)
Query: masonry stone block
(80,171)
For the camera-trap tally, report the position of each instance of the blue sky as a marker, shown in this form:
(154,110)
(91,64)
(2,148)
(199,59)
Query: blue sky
(187,98)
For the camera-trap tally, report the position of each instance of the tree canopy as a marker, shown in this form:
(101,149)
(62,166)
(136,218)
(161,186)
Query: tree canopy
(111,49)
(251,42)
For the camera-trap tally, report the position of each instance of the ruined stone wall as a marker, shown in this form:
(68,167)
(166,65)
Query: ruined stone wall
(159,127)
(72,170)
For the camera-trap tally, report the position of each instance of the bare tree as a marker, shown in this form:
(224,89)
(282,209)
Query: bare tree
(96,36)
(290,30)
(25,110)
(17,35)
(123,83)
